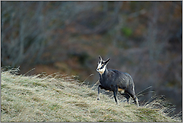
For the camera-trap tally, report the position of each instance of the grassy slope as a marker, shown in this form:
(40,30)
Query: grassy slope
(63,100)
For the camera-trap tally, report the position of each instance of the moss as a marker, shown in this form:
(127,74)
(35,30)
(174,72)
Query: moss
(126,31)
(54,107)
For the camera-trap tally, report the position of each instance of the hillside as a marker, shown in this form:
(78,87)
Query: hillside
(59,98)
(143,39)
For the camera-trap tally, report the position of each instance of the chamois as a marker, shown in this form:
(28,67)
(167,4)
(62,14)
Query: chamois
(114,80)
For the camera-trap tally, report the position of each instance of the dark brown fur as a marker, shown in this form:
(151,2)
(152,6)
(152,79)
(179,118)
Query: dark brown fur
(115,81)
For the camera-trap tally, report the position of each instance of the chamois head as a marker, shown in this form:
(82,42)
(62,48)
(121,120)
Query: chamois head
(102,65)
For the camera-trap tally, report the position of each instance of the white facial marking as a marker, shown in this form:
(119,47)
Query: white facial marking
(100,69)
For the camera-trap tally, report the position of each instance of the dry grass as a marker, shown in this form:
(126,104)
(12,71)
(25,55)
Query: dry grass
(63,99)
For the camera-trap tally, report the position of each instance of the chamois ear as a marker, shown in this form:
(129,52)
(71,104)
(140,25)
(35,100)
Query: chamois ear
(100,58)
(107,61)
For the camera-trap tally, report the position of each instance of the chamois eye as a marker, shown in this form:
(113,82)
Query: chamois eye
(102,67)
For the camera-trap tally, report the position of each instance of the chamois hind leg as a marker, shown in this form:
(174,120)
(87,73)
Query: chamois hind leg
(126,96)
(132,94)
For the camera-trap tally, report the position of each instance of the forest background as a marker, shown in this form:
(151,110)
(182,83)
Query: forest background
(143,39)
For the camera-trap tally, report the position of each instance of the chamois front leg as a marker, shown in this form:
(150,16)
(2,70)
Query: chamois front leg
(115,93)
(98,92)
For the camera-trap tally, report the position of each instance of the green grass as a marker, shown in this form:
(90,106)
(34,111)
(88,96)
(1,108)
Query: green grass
(63,99)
